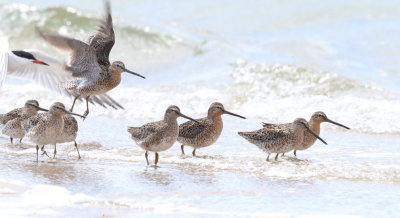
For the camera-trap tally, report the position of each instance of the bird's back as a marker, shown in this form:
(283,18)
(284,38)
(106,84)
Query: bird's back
(4,118)
(142,132)
(277,126)
(270,140)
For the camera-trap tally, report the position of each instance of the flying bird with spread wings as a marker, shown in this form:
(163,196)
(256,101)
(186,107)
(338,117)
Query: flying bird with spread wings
(89,73)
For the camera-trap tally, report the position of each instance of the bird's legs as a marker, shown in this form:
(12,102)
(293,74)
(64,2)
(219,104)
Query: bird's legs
(146,155)
(20,140)
(44,152)
(87,107)
(294,153)
(276,157)
(76,146)
(156,160)
(37,153)
(11,139)
(55,151)
(73,103)
(268,157)
(183,152)
(194,152)
(283,154)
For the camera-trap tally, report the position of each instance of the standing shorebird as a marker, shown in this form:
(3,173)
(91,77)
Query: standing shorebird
(46,128)
(12,120)
(89,63)
(47,71)
(315,125)
(279,140)
(160,135)
(206,131)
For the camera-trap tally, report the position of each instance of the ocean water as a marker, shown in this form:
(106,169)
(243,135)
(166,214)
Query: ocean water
(270,61)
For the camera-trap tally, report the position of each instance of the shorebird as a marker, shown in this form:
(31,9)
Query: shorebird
(279,140)
(206,131)
(12,120)
(89,62)
(44,70)
(46,128)
(160,135)
(315,123)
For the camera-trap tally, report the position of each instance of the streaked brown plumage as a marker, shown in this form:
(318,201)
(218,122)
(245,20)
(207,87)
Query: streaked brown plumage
(46,128)
(206,131)
(89,62)
(160,135)
(69,131)
(279,140)
(12,120)
(315,125)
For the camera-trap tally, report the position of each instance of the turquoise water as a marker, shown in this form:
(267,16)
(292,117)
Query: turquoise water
(270,61)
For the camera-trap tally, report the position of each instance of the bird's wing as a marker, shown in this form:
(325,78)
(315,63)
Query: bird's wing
(31,122)
(83,60)
(105,100)
(271,125)
(145,131)
(15,113)
(192,129)
(47,76)
(53,74)
(103,40)
(3,66)
(265,134)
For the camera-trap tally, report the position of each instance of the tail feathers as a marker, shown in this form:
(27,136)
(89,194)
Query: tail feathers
(103,100)
(132,130)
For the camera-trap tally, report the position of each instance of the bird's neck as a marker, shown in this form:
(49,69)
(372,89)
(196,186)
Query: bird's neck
(315,126)
(115,77)
(30,111)
(217,120)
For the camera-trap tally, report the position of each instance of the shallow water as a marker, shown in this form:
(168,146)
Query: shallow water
(270,61)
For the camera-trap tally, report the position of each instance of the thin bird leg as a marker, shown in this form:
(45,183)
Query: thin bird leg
(146,155)
(55,151)
(268,157)
(44,152)
(11,139)
(183,152)
(73,103)
(194,152)
(37,153)
(76,146)
(294,153)
(276,157)
(87,107)
(156,160)
(20,140)
(283,154)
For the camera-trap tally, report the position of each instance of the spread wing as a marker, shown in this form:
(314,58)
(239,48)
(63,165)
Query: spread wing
(50,76)
(83,60)
(47,76)
(192,129)
(103,40)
